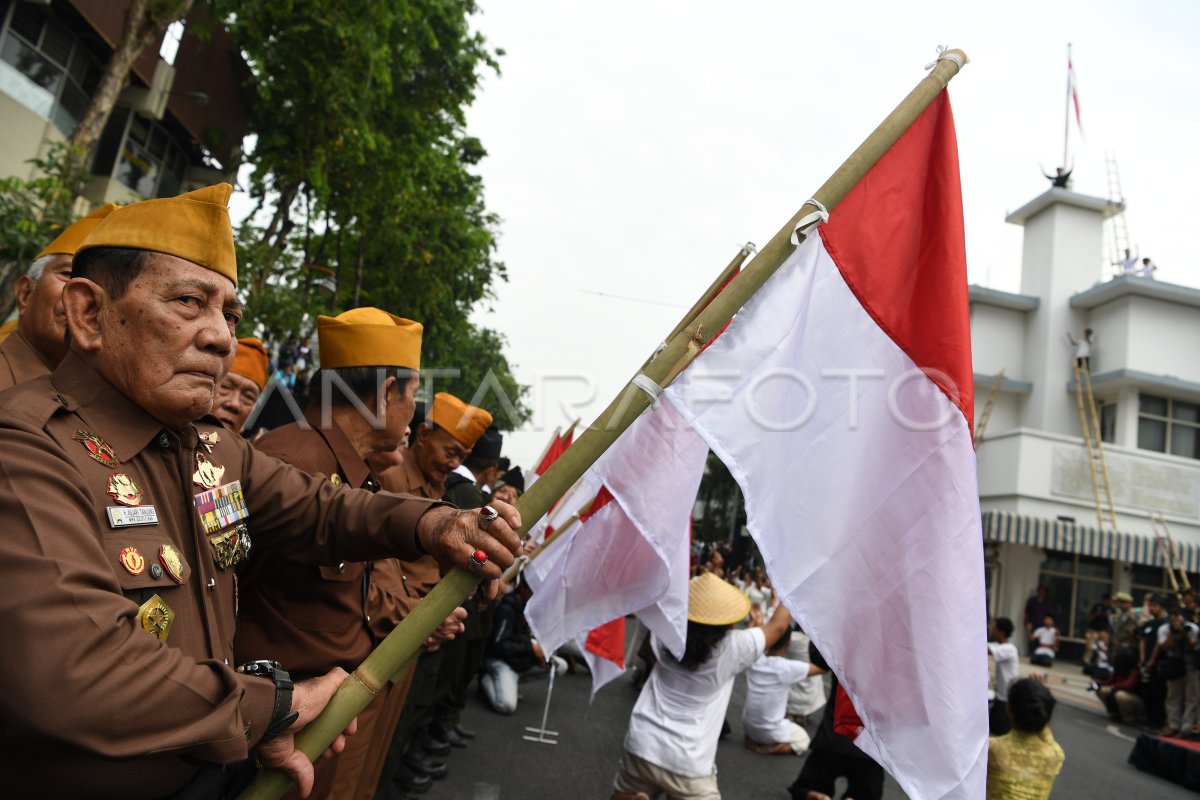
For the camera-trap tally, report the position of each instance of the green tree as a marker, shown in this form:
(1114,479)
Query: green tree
(362,175)
(33,212)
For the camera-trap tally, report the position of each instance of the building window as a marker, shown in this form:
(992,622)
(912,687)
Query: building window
(1074,583)
(1108,421)
(140,154)
(1169,426)
(1146,579)
(44,67)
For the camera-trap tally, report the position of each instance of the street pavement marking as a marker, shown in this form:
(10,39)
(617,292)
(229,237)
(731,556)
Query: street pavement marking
(1115,731)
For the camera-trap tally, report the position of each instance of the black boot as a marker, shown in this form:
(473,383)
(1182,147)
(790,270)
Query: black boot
(422,764)
(409,782)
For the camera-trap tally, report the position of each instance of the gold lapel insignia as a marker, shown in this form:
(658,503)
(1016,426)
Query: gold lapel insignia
(207,473)
(97,448)
(335,479)
(132,560)
(156,618)
(232,547)
(210,439)
(124,490)
(172,562)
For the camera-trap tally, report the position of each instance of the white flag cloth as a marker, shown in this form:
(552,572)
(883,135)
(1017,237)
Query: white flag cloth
(632,554)
(839,398)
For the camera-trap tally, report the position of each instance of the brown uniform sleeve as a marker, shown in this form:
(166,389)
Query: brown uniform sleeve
(308,517)
(77,667)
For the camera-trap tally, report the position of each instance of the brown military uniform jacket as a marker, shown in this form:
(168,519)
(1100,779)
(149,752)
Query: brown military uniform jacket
(398,585)
(19,362)
(96,705)
(309,618)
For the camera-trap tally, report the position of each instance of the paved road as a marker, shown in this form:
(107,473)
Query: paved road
(500,765)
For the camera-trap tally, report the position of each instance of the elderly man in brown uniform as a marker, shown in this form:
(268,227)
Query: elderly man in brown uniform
(440,444)
(238,391)
(36,346)
(313,618)
(124,520)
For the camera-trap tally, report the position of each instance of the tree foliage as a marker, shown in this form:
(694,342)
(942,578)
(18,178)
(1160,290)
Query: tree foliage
(34,211)
(362,175)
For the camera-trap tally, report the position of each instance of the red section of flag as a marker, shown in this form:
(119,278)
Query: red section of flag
(720,289)
(845,717)
(555,450)
(602,499)
(909,271)
(608,641)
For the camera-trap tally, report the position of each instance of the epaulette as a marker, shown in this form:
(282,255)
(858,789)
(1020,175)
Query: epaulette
(32,404)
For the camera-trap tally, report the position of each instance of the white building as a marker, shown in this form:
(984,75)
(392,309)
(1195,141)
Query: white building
(1039,512)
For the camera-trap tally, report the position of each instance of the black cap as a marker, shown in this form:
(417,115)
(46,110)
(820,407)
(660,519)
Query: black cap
(489,445)
(513,478)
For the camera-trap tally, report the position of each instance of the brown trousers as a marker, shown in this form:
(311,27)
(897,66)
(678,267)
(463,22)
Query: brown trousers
(360,783)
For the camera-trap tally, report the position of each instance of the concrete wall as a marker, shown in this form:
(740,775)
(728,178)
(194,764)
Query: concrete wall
(26,134)
(998,341)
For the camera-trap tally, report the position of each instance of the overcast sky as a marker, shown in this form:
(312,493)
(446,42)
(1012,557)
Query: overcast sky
(634,146)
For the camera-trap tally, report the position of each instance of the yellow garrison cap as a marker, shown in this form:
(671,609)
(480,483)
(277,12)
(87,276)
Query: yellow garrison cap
(193,226)
(712,601)
(369,337)
(67,242)
(465,423)
(250,360)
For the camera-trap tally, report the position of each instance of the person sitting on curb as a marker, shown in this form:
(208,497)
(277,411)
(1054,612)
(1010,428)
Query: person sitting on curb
(1047,643)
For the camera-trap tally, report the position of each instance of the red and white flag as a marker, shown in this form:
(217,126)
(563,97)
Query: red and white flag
(840,398)
(630,554)
(1073,91)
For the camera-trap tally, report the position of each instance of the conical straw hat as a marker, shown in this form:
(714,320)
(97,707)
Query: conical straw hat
(712,601)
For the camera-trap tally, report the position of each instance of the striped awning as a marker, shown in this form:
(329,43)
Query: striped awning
(1071,537)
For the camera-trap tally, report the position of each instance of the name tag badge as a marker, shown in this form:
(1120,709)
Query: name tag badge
(221,507)
(124,517)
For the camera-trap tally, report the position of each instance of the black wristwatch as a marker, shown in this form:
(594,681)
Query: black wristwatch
(282,715)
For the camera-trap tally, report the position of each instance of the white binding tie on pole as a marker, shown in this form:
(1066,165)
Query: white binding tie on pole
(643,382)
(749,249)
(810,221)
(945,55)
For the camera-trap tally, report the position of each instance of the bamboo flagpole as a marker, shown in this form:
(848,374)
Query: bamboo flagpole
(403,643)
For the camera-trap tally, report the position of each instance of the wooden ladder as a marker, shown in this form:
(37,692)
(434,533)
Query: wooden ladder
(1089,420)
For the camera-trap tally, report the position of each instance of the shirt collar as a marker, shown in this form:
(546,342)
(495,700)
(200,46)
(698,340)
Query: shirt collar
(357,473)
(107,412)
(465,471)
(416,478)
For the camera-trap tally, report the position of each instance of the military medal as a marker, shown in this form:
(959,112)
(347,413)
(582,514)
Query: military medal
(209,439)
(335,479)
(232,547)
(97,448)
(207,473)
(172,562)
(124,490)
(132,560)
(156,618)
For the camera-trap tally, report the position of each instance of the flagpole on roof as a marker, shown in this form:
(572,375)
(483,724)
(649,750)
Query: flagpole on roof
(403,643)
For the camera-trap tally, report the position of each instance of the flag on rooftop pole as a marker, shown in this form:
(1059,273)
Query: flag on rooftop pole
(840,398)
(1073,90)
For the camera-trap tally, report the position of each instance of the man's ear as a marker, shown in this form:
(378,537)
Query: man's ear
(389,392)
(83,301)
(23,291)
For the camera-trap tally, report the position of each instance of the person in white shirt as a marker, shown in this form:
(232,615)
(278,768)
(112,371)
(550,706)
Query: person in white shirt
(1004,654)
(671,746)
(1047,643)
(806,697)
(764,717)
(1083,348)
